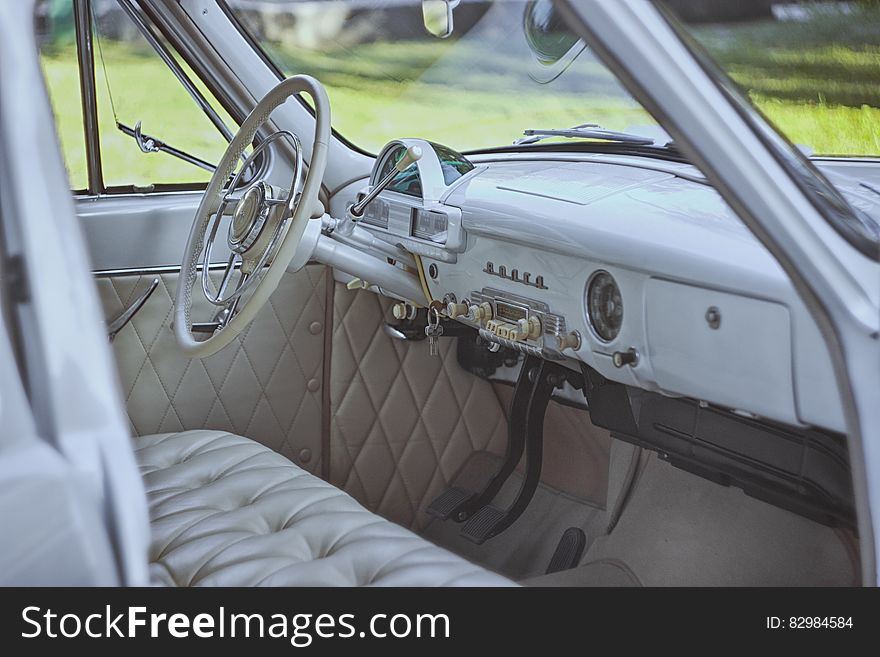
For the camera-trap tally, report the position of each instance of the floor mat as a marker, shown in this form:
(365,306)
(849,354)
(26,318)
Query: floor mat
(525,548)
(679,529)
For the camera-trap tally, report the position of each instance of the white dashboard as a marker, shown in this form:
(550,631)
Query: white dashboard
(632,266)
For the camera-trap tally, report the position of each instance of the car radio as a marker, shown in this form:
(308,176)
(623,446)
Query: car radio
(516,322)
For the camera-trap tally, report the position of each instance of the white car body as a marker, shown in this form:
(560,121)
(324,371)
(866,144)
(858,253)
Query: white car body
(800,306)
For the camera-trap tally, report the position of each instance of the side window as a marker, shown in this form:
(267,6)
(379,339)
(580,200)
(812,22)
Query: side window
(133,85)
(57,39)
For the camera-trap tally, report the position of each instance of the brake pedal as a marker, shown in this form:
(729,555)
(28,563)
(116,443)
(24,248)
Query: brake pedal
(569,551)
(460,506)
(481,526)
(543,378)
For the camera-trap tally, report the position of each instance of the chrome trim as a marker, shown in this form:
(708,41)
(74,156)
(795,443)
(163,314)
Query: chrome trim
(521,347)
(393,332)
(285,217)
(146,271)
(163,269)
(150,144)
(114,327)
(86,62)
(178,72)
(205,327)
(514,276)
(588,315)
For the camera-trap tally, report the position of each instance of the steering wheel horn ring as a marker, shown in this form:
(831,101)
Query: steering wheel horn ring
(266,224)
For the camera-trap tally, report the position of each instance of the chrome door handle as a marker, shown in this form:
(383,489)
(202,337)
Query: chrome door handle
(124,318)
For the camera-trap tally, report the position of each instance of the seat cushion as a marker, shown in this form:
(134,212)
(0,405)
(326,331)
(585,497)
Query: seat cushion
(228,511)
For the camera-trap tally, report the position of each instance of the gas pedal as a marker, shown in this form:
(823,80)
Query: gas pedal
(569,551)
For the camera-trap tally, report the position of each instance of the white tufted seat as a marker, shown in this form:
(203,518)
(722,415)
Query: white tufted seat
(228,511)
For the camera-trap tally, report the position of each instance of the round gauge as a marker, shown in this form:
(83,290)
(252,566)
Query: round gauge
(604,306)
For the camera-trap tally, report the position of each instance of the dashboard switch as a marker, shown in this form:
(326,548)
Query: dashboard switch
(402,311)
(454,310)
(629,357)
(569,341)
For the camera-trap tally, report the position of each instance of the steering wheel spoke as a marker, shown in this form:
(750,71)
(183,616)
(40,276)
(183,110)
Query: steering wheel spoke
(228,205)
(227,275)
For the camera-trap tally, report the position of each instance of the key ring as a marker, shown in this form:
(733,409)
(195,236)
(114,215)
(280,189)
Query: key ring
(436,312)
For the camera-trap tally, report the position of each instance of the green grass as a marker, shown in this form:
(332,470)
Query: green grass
(143,89)
(818,81)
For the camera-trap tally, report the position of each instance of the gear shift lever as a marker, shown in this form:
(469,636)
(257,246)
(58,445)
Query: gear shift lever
(412,154)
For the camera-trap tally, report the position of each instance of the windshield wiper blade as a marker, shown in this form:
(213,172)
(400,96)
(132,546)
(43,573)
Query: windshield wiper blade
(149,144)
(584,131)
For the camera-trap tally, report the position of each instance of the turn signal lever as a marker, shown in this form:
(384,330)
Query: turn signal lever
(412,154)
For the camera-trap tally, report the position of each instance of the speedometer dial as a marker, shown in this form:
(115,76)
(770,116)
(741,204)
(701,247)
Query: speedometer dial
(604,306)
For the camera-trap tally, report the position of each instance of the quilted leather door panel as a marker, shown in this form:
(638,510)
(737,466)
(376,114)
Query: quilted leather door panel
(266,385)
(403,422)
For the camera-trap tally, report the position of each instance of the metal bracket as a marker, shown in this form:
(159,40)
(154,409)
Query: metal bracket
(115,326)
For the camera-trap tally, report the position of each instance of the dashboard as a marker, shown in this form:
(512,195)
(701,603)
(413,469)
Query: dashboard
(633,266)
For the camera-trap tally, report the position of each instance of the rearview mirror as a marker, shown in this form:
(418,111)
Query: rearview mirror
(437,16)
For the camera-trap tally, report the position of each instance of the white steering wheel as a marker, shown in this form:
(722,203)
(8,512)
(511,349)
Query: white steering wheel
(266,228)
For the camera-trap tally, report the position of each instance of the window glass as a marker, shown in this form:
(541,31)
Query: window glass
(134,84)
(57,40)
(813,69)
(508,66)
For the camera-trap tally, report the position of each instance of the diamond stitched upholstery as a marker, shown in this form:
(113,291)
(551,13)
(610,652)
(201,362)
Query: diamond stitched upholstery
(227,511)
(403,422)
(265,385)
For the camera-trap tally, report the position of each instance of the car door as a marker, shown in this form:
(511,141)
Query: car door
(111,73)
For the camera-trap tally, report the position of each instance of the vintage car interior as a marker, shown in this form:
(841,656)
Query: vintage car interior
(563,361)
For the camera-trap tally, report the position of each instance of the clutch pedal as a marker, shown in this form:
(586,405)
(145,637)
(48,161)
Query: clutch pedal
(449,501)
(460,504)
(543,378)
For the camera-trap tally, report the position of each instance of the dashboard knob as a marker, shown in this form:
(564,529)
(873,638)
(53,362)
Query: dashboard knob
(569,341)
(629,357)
(528,328)
(535,327)
(454,310)
(481,312)
(400,311)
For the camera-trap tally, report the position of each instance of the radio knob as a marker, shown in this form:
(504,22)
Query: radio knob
(535,328)
(528,328)
(481,312)
(454,310)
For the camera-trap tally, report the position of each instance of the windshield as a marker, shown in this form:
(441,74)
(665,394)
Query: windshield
(508,66)
(812,68)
